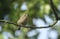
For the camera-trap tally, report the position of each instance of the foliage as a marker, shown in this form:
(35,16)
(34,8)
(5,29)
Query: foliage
(35,9)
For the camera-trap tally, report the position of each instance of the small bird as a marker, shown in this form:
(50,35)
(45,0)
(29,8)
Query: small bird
(22,20)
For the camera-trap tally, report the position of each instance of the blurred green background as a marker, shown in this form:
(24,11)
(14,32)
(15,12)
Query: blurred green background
(40,14)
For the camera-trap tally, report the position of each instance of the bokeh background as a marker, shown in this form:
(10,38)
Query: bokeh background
(40,14)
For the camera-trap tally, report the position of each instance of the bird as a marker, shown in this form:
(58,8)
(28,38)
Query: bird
(22,20)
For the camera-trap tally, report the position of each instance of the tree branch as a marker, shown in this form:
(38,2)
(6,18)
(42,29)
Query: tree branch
(54,9)
(9,22)
(5,21)
(55,13)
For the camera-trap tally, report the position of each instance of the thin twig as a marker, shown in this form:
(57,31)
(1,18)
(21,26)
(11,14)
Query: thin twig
(5,21)
(54,9)
(55,13)
(40,27)
(9,22)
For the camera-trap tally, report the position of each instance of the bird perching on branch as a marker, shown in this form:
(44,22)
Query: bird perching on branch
(22,20)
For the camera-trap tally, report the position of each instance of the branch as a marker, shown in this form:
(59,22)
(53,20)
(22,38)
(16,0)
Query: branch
(40,27)
(55,13)
(5,21)
(9,22)
(54,9)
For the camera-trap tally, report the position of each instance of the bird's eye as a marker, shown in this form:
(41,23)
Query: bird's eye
(26,15)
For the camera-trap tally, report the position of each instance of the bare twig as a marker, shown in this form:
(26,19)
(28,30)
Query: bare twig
(55,13)
(40,27)
(54,9)
(4,21)
(9,22)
